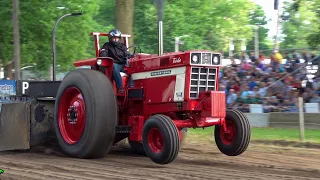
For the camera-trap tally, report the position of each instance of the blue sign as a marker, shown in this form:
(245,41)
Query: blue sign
(8,87)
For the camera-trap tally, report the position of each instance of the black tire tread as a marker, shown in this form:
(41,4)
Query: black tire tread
(245,136)
(173,134)
(247,130)
(103,109)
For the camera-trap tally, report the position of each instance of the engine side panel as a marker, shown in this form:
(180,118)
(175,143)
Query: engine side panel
(166,85)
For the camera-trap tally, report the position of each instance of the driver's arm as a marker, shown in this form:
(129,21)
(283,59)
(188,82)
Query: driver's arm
(104,51)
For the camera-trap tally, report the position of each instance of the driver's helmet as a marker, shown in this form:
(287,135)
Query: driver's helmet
(114,33)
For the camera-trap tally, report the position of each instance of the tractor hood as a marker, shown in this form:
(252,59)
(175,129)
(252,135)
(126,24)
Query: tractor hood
(150,62)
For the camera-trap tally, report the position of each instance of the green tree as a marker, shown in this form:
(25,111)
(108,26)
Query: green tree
(37,18)
(301,24)
(209,24)
(257,17)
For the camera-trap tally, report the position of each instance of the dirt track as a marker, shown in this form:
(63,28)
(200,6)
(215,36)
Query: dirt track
(194,162)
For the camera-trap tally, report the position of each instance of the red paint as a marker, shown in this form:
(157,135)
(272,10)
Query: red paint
(136,123)
(207,110)
(71,133)
(228,136)
(184,123)
(159,90)
(187,82)
(155,140)
(86,62)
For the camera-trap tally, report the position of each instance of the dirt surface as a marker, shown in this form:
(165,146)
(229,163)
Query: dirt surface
(195,161)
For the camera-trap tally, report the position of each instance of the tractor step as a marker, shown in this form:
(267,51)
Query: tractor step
(123,129)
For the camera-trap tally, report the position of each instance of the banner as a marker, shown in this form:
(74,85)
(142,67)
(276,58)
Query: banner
(8,87)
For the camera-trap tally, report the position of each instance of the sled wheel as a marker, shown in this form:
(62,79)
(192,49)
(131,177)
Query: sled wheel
(137,148)
(236,140)
(160,139)
(85,114)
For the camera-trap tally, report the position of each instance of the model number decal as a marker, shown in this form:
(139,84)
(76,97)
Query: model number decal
(158,73)
(176,60)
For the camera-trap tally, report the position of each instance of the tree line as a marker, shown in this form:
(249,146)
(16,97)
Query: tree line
(208,23)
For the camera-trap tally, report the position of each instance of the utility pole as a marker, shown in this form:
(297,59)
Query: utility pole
(16,38)
(276,43)
(256,41)
(54,41)
(243,45)
(231,47)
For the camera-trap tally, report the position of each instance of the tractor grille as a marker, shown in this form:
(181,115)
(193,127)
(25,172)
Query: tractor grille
(202,79)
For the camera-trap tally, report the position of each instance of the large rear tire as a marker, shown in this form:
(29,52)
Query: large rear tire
(85,114)
(236,141)
(160,139)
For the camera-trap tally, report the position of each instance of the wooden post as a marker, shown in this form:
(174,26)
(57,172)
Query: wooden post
(16,38)
(301,118)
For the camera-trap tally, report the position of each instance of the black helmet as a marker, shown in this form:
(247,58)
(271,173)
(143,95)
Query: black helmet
(114,33)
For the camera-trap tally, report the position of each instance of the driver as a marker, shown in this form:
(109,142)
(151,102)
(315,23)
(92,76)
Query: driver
(118,51)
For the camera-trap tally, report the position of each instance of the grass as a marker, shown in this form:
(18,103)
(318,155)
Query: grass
(271,134)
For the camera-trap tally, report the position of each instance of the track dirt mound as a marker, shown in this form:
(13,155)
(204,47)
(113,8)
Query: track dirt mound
(195,161)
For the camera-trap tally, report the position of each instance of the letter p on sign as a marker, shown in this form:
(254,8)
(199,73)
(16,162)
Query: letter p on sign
(25,85)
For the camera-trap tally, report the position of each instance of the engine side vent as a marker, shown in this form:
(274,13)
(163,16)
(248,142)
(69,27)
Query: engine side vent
(202,79)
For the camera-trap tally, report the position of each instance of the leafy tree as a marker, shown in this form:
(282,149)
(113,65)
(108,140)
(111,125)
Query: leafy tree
(209,24)
(37,18)
(257,17)
(6,32)
(301,25)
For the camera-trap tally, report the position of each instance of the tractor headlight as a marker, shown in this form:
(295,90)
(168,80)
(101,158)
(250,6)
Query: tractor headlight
(99,62)
(215,59)
(195,58)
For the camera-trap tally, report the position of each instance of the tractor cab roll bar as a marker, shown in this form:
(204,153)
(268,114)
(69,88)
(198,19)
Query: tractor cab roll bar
(96,36)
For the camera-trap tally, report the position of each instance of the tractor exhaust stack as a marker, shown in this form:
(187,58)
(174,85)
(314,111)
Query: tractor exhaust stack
(160,8)
(160,38)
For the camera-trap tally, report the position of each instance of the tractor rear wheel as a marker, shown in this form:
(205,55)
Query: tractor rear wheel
(160,139)
(236,140)
(85,114)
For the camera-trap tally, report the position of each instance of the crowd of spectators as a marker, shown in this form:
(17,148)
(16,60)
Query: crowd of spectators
(254,81)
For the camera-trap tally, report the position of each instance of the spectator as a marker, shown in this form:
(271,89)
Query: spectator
(315,98)
(250,83)
(231,98)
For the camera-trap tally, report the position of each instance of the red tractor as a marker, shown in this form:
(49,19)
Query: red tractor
(171,92)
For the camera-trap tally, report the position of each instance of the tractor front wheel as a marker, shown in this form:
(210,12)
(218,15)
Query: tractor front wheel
(85,114)
(235,140)
(160,139)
